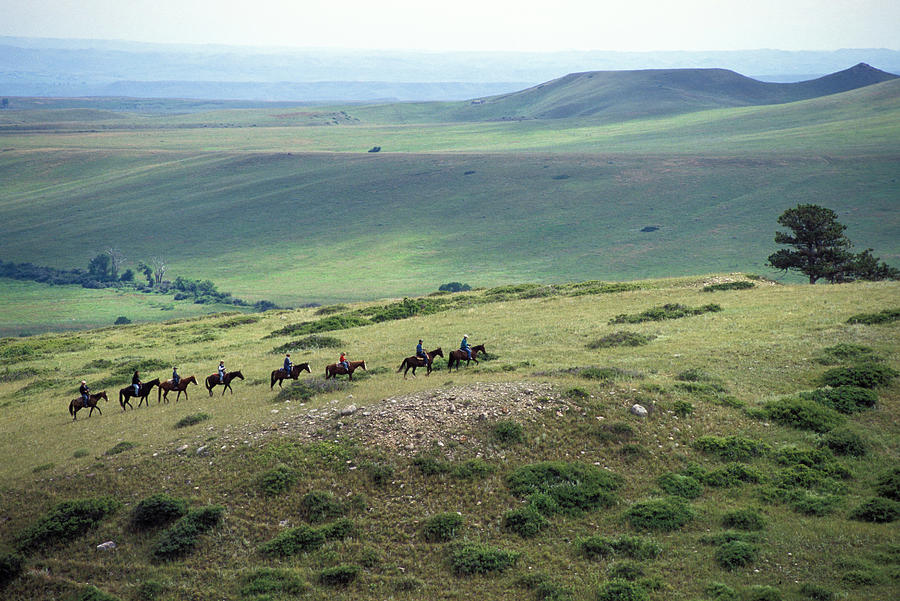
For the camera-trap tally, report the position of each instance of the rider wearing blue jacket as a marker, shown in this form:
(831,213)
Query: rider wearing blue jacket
(420,352)
(464,346)
(288,365)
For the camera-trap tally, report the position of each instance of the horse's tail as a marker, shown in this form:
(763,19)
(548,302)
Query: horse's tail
(272,380)
(72,407)
(402,365)
(121,398)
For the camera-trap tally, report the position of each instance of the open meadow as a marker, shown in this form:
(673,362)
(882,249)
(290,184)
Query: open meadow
(746,478)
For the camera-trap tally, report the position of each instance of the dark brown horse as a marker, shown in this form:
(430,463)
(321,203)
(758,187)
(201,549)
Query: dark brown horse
(80,403)
(280,375)
(333,370)
(166,386)
(143,392)
(416,361)
(213,381)
(460,355)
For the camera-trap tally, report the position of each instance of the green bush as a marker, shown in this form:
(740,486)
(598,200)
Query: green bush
(860,577)
(625,570)
(637,547)
(595,547)
(720,538)
(744,519)
(268,581)
(150,590)
(668,311)
(803,414)
(608,373)
(844,352)
(739,285)
(621,590)
(92,593)
(666,514)
(473,469)
(380,472)
(845,441)
(885,316)
(276,480)
(680,486)
(821,460)
(190,420)
(10,568)
(430,466)
(326,324)
(888,484)
(871,375)
(719,591)
(313,342)
(294,541)
(473,558)
(614,432)
(339,575)
(816,592)
(181,538)
(66,521)
(735,554)
(120,448)
(157,510)
(338,530)
(543,503)
(331,309)
(304,390)
(762,592)
(730,475)
(575,487)
(845,399)
(442,527)
(620,339)
(731,448)
(508,432)
(683,408)
(810,503)
(878,510)
(321,506)
(526,522)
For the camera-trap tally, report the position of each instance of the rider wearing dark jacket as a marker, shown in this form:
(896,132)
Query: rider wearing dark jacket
(175,377)
(288,365)
(84,390)
(420,352)
(136,382)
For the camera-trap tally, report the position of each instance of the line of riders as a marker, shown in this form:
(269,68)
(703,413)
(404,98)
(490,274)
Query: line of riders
(141,390)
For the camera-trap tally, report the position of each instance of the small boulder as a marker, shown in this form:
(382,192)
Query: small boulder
(349,410)
(107,546)
(639,410)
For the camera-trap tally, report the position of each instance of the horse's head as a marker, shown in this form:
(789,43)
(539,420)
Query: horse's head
(102,395)
(237,374)
(363,365)
(153,382)
(304,367)
(189,380)
(479,347)
(438,352)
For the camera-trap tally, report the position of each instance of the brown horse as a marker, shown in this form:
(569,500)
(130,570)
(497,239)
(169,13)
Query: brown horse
(460,355)
(166,386)
(213,380)
(280,375)
(416,361)
(333,370)
(80,403)
(144,391)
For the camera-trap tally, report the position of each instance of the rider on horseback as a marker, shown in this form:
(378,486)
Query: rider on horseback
(85,392)
(175,377)
(464,346)
(288,365)
(344,363)
(221,372)
(136,382)
(420,352)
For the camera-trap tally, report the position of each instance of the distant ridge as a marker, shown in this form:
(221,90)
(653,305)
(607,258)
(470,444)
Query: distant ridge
(618,95)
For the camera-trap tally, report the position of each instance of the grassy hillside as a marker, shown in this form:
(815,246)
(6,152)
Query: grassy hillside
(421,448)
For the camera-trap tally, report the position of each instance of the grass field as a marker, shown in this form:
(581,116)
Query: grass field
(766,342)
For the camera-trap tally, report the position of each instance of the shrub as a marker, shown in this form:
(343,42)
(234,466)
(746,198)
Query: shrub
(121,320)
(381,473)
(803,414)
(66,521)
(472,469)
(744,519)
(728,536)
(338,530)
(339,575)
(330,309)
(120,448)
(608,373)
(845,399)
(577,394)
(442,527)
(303,390)
(473,558)
(294,541)
(277,480)
(179,540)
(595,547)
(313,342)
(845,441)
(668,311)
(731,474)
(526,522)
(508,432)
(266,581)
(625,570)
(454,287)
(92,593)
(762,592)
(614,432)
(878,510)
(733,448)
(620,339)
(637,547)
(816,592)
(665,514)
(739,285)
(860,577)
(884,316)
(821,460)
(843,352)
(683,408)
(720,591)
(157,510)
(735,554)
(575,487)
(694,375)
(888,484)
(621,590)
(871,375)
(430,466)
(191,420)
(543,503)
(680,486)
(321,505)
(150,590)
(10,568)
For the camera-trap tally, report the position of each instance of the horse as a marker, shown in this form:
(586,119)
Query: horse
(213,380)
(279,374)
(332,371)
(459,355)
(80,403)
(144,391)
(416,361)
(166,386)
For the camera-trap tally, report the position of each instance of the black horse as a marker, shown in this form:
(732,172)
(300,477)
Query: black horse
(213,380)
(279,375)
(143,392)
(460,355)
(80,403)
(416,361)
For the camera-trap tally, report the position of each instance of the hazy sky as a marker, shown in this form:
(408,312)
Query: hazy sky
(547,25)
